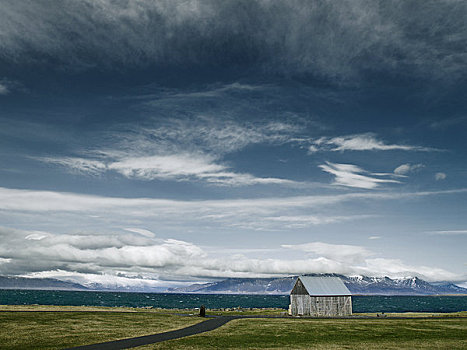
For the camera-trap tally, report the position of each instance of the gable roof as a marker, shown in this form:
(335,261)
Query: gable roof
(324,286)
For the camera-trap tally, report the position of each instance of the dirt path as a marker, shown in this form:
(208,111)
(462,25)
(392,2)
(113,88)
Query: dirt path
(201,327)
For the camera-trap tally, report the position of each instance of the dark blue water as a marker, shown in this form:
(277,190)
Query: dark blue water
(212,301)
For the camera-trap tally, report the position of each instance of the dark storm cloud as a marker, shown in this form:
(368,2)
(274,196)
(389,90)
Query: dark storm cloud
(332,39)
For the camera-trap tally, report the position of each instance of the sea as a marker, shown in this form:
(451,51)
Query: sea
(217,301)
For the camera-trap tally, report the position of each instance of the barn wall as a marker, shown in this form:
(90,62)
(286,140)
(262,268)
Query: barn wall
(329,306)
(300,304)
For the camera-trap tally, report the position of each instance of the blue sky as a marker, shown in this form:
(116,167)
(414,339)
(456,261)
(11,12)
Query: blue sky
(160,142)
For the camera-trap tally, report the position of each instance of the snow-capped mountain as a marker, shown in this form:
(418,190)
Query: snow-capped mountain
(9,282)
(241,286)
(14,282)
(356,284)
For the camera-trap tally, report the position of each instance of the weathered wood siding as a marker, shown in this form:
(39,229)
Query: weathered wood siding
(329,306)
(299,288)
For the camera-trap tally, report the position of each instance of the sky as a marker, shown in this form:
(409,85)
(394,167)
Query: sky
(161,143)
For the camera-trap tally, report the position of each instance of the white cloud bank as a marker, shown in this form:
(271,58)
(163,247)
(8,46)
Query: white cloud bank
(135,251)
(111,258)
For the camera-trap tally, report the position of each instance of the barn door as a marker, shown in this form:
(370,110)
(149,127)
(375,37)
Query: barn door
(300,306)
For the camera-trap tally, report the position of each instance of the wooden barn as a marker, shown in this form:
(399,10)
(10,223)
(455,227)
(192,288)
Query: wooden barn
(320,297)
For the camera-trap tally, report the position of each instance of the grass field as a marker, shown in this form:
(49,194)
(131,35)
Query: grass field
(329,334)
(75,326)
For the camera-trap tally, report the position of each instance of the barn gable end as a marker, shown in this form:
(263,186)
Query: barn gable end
(299,288)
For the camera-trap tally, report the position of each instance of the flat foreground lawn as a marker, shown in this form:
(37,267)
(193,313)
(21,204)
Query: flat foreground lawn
(74,326)
(329,334)
(58,330)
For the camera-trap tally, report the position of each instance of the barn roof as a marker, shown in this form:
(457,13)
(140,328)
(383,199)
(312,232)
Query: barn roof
(324,286)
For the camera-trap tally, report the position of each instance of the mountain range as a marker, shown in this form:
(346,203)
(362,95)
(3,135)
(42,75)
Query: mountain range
(362,285)
(10,282)
(356,284)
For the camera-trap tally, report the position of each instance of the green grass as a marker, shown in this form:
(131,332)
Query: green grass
(329,334)
(86,325)
(57,330)
(247,312)
(415,314)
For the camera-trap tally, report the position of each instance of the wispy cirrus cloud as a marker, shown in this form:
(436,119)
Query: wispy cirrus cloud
(449,232)
(43,201)
(4,89)
(404,169)
(440,176)
(285,222)
(175,167)
(77,164)
(182,150)
(317,38)
(210,135)
(140,231)
(7,86)
(167,166)
(337,252)
(359,142)
(215,91)
(184,167)
(193,148)
(448,122)
(253,214)
(350,175)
